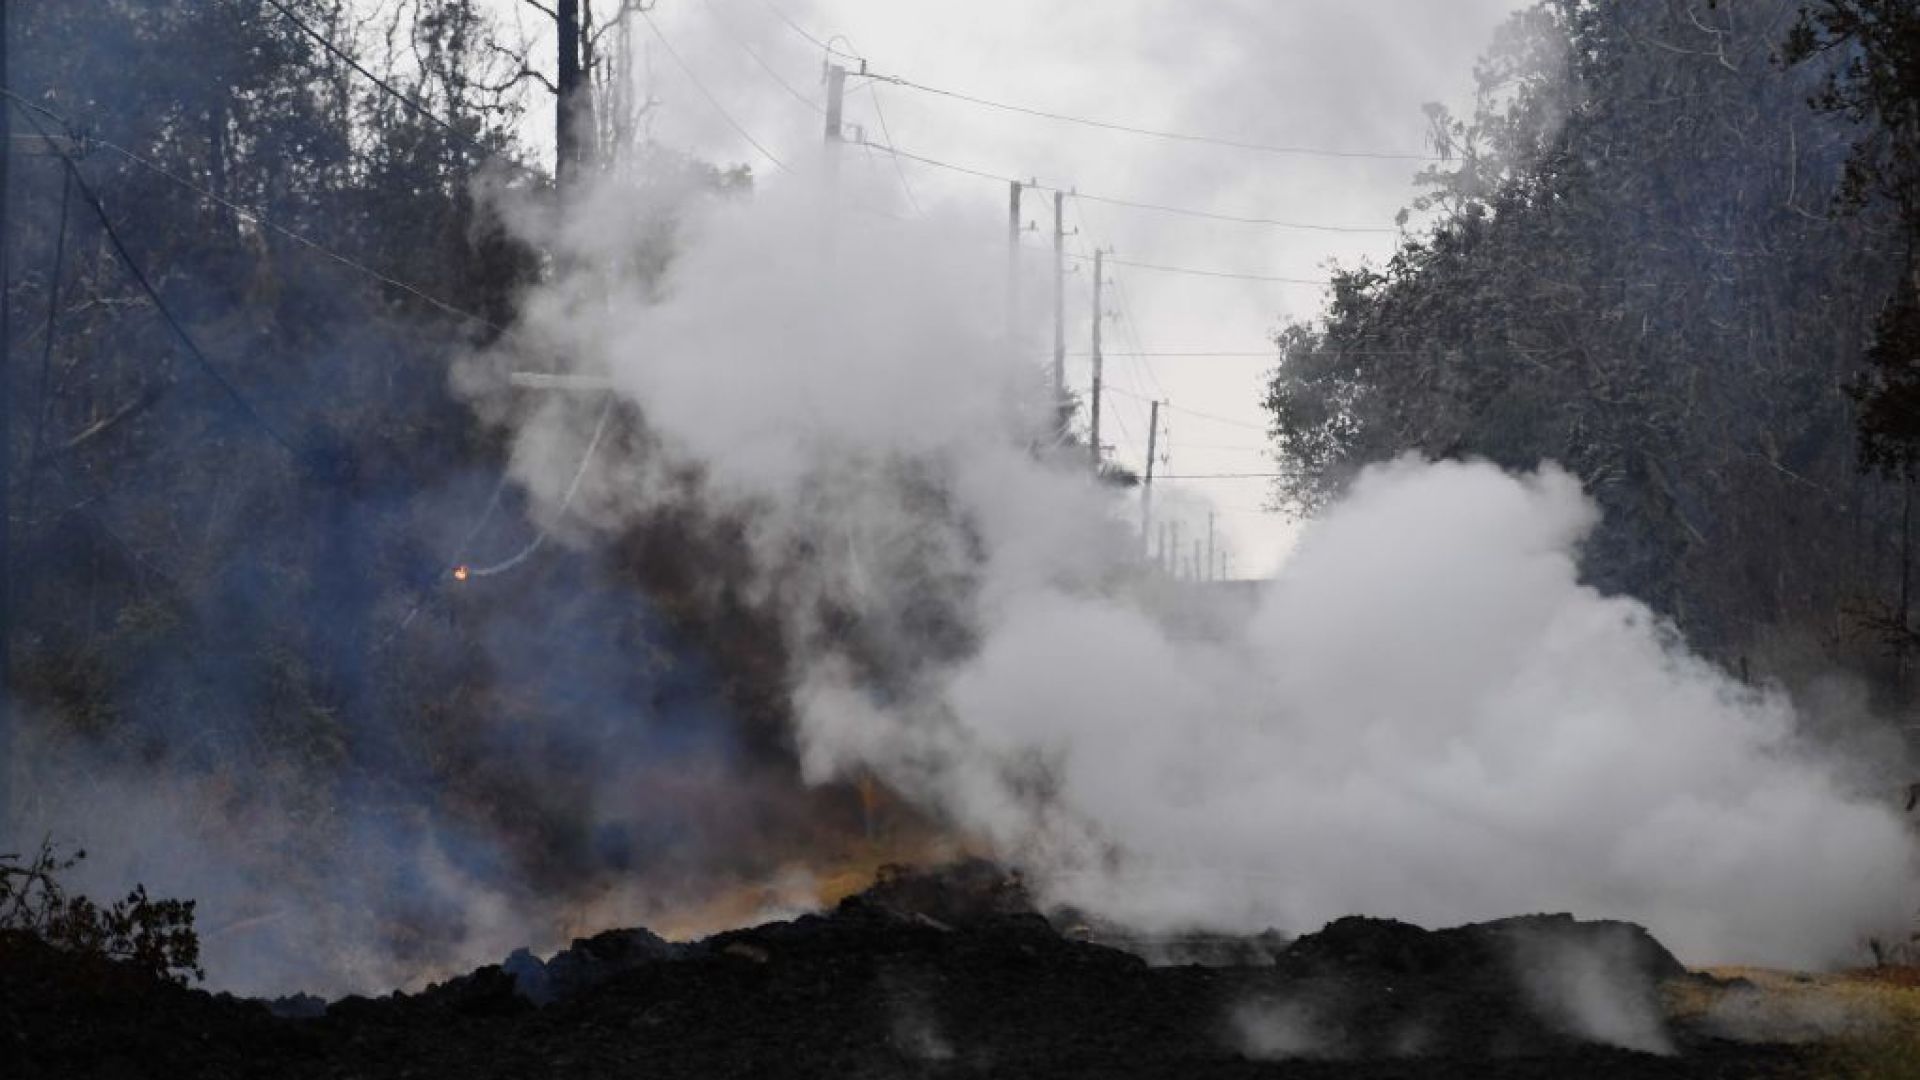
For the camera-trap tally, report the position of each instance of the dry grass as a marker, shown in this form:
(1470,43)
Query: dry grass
(1866,1023)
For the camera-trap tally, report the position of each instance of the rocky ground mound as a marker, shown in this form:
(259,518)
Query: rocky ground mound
(923,976)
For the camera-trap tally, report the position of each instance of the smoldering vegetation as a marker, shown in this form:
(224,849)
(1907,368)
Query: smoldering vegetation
(941,973)
(1428,682)
(244,671)
(817,539)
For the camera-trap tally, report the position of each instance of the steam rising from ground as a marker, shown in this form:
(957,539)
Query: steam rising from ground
(1427,716)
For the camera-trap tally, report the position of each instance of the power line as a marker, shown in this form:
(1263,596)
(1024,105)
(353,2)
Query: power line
(705,93)
(1231,219)
(1291,473)
(1129,129)
(566,503)
(798,29)
(388,88)
(728,29)
(146,286)
(1267,355)
(1173,136)
(899,169)
(1230,448)
(42,400)
(1128,325)
(1135,204)
(1114,260)
(493,504)
(1200,415)
(264,222)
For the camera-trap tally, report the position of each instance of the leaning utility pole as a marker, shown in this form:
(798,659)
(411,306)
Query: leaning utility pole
(1146,490)
(569,112)
(1060,311)
(1099,316)
(6,457)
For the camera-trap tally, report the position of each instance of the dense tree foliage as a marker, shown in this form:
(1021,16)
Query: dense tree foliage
(1650,265)
(1874,81)
(245,594)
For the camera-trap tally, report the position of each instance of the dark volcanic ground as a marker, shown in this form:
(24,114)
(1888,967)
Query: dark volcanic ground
(908,981)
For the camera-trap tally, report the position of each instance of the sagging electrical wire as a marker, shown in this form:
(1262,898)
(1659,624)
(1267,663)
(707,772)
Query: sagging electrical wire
(466,572)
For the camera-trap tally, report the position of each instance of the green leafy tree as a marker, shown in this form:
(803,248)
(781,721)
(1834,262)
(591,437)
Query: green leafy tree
(1633,271)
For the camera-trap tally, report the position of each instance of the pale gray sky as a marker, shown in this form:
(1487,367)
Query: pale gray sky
(1337,74)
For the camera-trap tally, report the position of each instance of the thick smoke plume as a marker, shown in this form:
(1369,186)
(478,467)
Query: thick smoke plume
(1427,716)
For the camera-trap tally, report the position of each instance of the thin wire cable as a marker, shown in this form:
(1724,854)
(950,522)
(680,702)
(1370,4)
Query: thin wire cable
(1192,271)
(1236,476)
(42,400)
(566,503)
(388,88)
(899,169)
(1172,136)
(493,503)
(1232,219)
(1201,415)
(705,93)
(1135,204)
(207,365)
(798,29)
(1131,327)
(353,264)
(263,221)
(1079,241)
(1135,264)
(1231,448)
(732,34)
(1156,355)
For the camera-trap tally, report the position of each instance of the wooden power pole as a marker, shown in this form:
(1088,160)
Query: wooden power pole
(1013,264)
(1211,518)
(1099,361)
(1060,313)
(836,110)
(1146,489)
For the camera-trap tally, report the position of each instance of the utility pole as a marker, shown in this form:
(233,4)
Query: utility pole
(1173,553)
(836,133)
(1013,264)
(836,110)
(1099,316)
(1211,517)
(1060,311)
(1146,490)
(568,114)
(6,457)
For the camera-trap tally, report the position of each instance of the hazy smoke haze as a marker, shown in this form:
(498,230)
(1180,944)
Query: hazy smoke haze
(1427,716)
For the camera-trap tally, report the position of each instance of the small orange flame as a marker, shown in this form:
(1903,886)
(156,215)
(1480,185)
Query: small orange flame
(461,573)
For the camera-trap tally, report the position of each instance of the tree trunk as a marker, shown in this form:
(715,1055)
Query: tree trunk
(568,133)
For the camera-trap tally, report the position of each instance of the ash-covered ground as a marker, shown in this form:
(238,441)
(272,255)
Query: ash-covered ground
(944,974)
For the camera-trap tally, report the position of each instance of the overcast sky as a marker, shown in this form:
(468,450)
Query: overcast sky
(1347,75)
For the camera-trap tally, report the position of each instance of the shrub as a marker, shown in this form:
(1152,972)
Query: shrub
(153,936)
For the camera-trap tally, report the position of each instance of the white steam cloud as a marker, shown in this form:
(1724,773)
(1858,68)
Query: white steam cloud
(1427,716)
